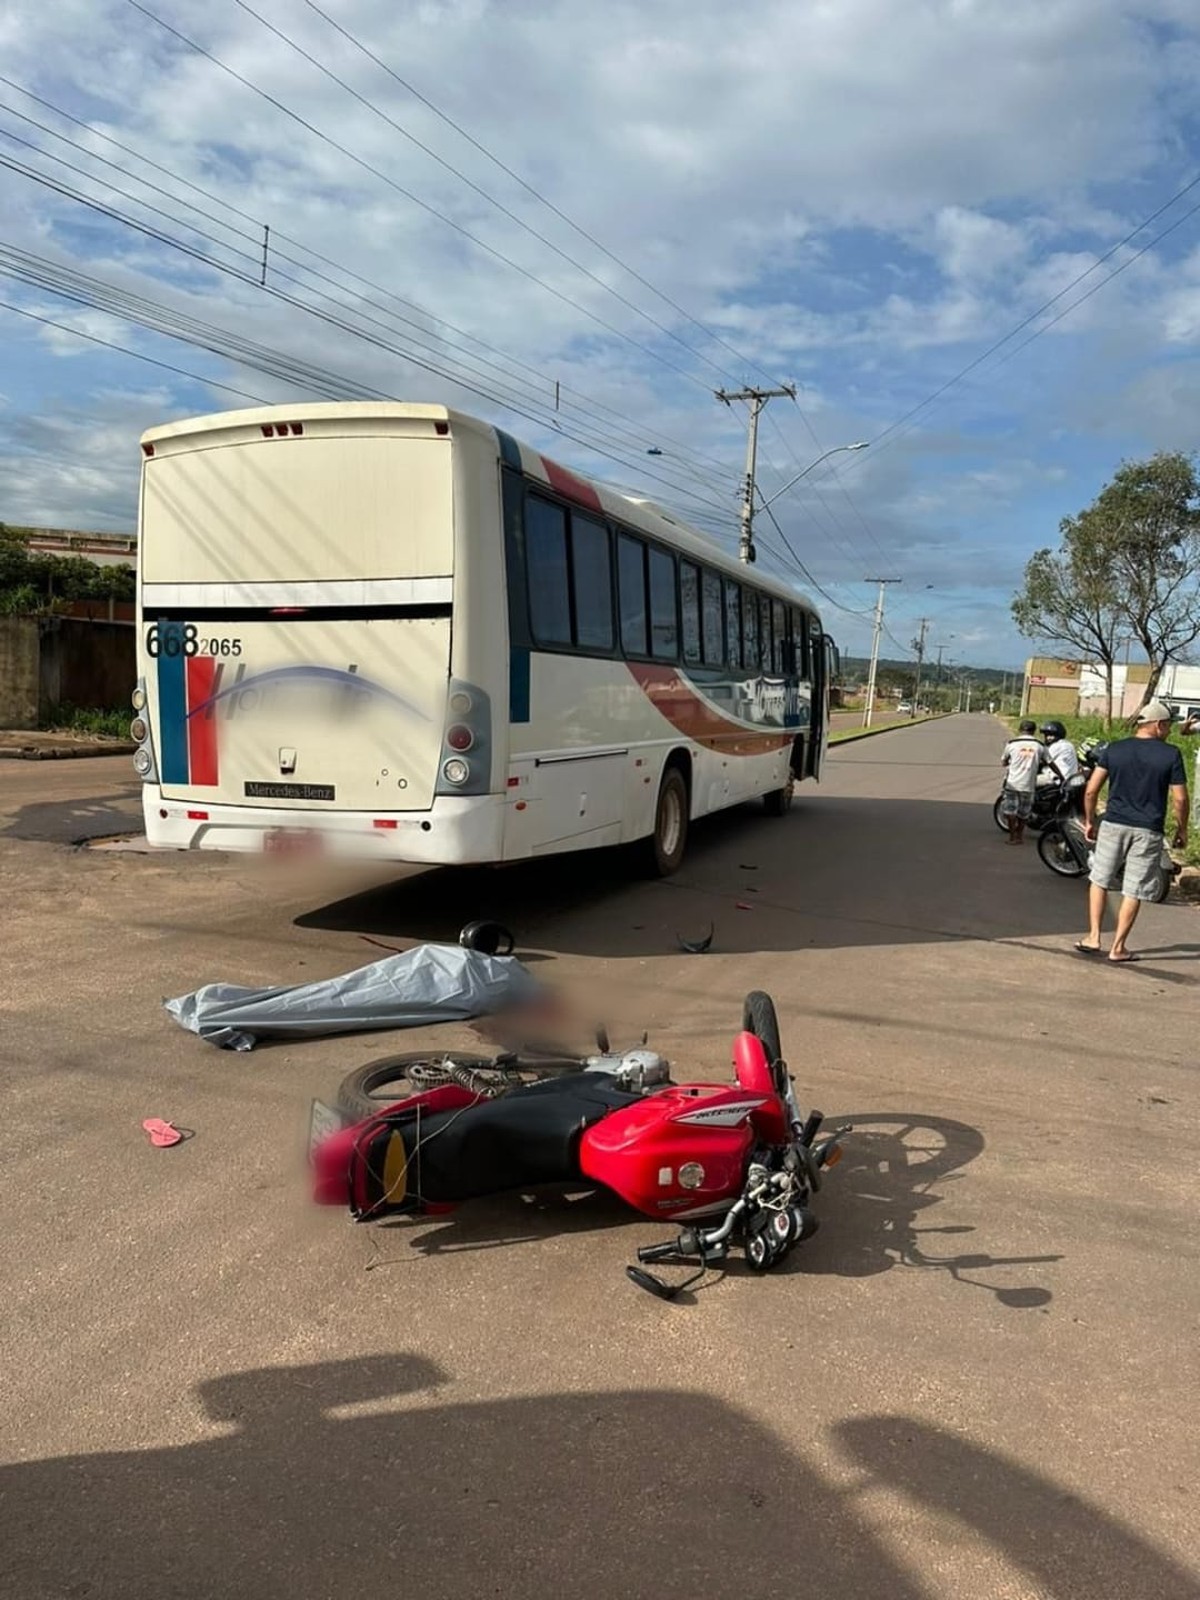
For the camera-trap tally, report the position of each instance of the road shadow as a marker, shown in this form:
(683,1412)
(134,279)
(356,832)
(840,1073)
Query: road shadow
(351,1478)
(97,816)
(838,873)
(894,1169)
(1065,1547)
(591,1495)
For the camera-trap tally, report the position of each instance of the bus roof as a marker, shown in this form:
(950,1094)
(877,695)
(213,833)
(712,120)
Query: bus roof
(637,513)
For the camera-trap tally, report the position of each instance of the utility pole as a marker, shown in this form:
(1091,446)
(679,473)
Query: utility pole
(919,647)
(756,399)
(875,638)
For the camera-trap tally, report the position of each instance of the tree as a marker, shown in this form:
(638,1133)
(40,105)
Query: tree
(1148,520)
(1070,596)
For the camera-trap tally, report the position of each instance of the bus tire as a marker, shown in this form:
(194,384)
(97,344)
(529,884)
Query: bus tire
(778,802)
(663,851)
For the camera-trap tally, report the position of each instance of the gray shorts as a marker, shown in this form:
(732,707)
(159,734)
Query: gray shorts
(1016,803)
(1128,859)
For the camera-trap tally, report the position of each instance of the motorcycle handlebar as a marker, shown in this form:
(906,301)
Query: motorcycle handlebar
(658,1252)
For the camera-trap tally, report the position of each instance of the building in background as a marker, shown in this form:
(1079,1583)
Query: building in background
(1054,687)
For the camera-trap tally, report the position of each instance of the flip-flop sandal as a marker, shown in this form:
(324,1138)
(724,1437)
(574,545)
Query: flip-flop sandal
(1122,961)
(1088,949)
(163,1134)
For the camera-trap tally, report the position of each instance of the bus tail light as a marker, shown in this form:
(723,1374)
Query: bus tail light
(468,727)
(139,732)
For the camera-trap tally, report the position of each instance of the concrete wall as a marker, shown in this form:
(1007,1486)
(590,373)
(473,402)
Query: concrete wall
(86,663)
(18,672)
(54,661)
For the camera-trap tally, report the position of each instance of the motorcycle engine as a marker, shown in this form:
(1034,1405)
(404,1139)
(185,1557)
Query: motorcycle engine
(635,1070)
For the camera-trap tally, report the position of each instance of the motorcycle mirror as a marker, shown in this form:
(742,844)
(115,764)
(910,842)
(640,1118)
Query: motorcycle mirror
(602,1043)
(647,1280)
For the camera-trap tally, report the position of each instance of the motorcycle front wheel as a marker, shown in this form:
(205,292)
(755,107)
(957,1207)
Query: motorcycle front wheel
(1056,852)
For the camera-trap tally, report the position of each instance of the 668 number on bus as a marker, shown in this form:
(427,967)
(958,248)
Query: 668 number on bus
(173,640)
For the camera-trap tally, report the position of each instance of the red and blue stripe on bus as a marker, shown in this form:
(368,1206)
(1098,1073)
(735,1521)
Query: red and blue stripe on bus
(187,744)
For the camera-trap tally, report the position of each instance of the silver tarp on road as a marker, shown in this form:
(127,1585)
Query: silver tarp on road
(433,983)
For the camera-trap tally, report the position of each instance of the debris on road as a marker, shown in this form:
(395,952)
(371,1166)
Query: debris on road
(163,1134)
(697,947)
(492,938)
(433,983)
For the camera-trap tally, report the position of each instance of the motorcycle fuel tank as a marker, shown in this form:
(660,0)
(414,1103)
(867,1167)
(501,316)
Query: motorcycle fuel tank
(680,1152)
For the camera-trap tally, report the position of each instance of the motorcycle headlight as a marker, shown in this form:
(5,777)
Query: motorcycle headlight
(691,1174)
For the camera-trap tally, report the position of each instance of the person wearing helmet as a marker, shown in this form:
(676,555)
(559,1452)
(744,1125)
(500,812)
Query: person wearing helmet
(1064,758)
(1024,757)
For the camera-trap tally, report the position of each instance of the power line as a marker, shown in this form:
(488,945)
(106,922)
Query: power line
(592,405)
(68,283)
(1026,322)
(530,189)
(478,145)
(518,407)
(249,276)
(424,205)
(476,188)
(126,350)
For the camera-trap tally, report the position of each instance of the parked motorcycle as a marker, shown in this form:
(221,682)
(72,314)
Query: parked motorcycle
(733,1162)
(1048,796)
(1064,849)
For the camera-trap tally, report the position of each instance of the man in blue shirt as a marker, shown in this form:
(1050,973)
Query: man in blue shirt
(1140,772)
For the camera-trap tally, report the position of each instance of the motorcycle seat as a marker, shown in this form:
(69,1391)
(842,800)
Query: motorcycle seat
(526,1137)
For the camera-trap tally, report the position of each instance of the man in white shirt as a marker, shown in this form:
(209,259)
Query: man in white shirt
(1064,758)
(1023,758)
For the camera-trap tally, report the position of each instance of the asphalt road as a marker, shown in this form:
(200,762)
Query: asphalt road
(978,1379)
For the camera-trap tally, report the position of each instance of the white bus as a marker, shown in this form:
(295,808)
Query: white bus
(392,631)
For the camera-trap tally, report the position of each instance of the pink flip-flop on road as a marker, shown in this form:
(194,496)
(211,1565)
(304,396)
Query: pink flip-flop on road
(162,1133)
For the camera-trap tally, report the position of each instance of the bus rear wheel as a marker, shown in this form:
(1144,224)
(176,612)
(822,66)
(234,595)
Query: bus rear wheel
(665,846)
(778,802)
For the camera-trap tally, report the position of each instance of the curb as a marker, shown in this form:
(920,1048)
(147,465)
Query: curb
(895,727)
(68,753)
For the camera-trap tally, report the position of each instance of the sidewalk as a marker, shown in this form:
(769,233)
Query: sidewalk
(26,744)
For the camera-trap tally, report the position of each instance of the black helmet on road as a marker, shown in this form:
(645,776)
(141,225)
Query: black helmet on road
(1053,730)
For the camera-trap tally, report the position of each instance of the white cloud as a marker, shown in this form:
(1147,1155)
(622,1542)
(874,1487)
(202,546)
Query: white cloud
(859,195)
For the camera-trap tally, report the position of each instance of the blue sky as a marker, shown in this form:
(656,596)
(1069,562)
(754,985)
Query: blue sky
(859,198)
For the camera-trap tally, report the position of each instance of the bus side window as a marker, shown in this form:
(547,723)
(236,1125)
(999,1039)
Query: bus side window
(764,631)
(712,619)
(733,622)
(749,631)
(781,655)
(631,586)
(546,561)
(591,583)
(689,606)
(664,622)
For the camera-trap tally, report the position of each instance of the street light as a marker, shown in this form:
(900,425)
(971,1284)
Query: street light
(861,445)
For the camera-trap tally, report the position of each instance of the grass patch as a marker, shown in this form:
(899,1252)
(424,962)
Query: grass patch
(112,723)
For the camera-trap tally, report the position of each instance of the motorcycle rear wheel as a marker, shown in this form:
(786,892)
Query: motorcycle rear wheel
(1057,854)
(382,1082)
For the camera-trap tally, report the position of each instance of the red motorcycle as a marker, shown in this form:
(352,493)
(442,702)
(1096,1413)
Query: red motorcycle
(732,1162)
